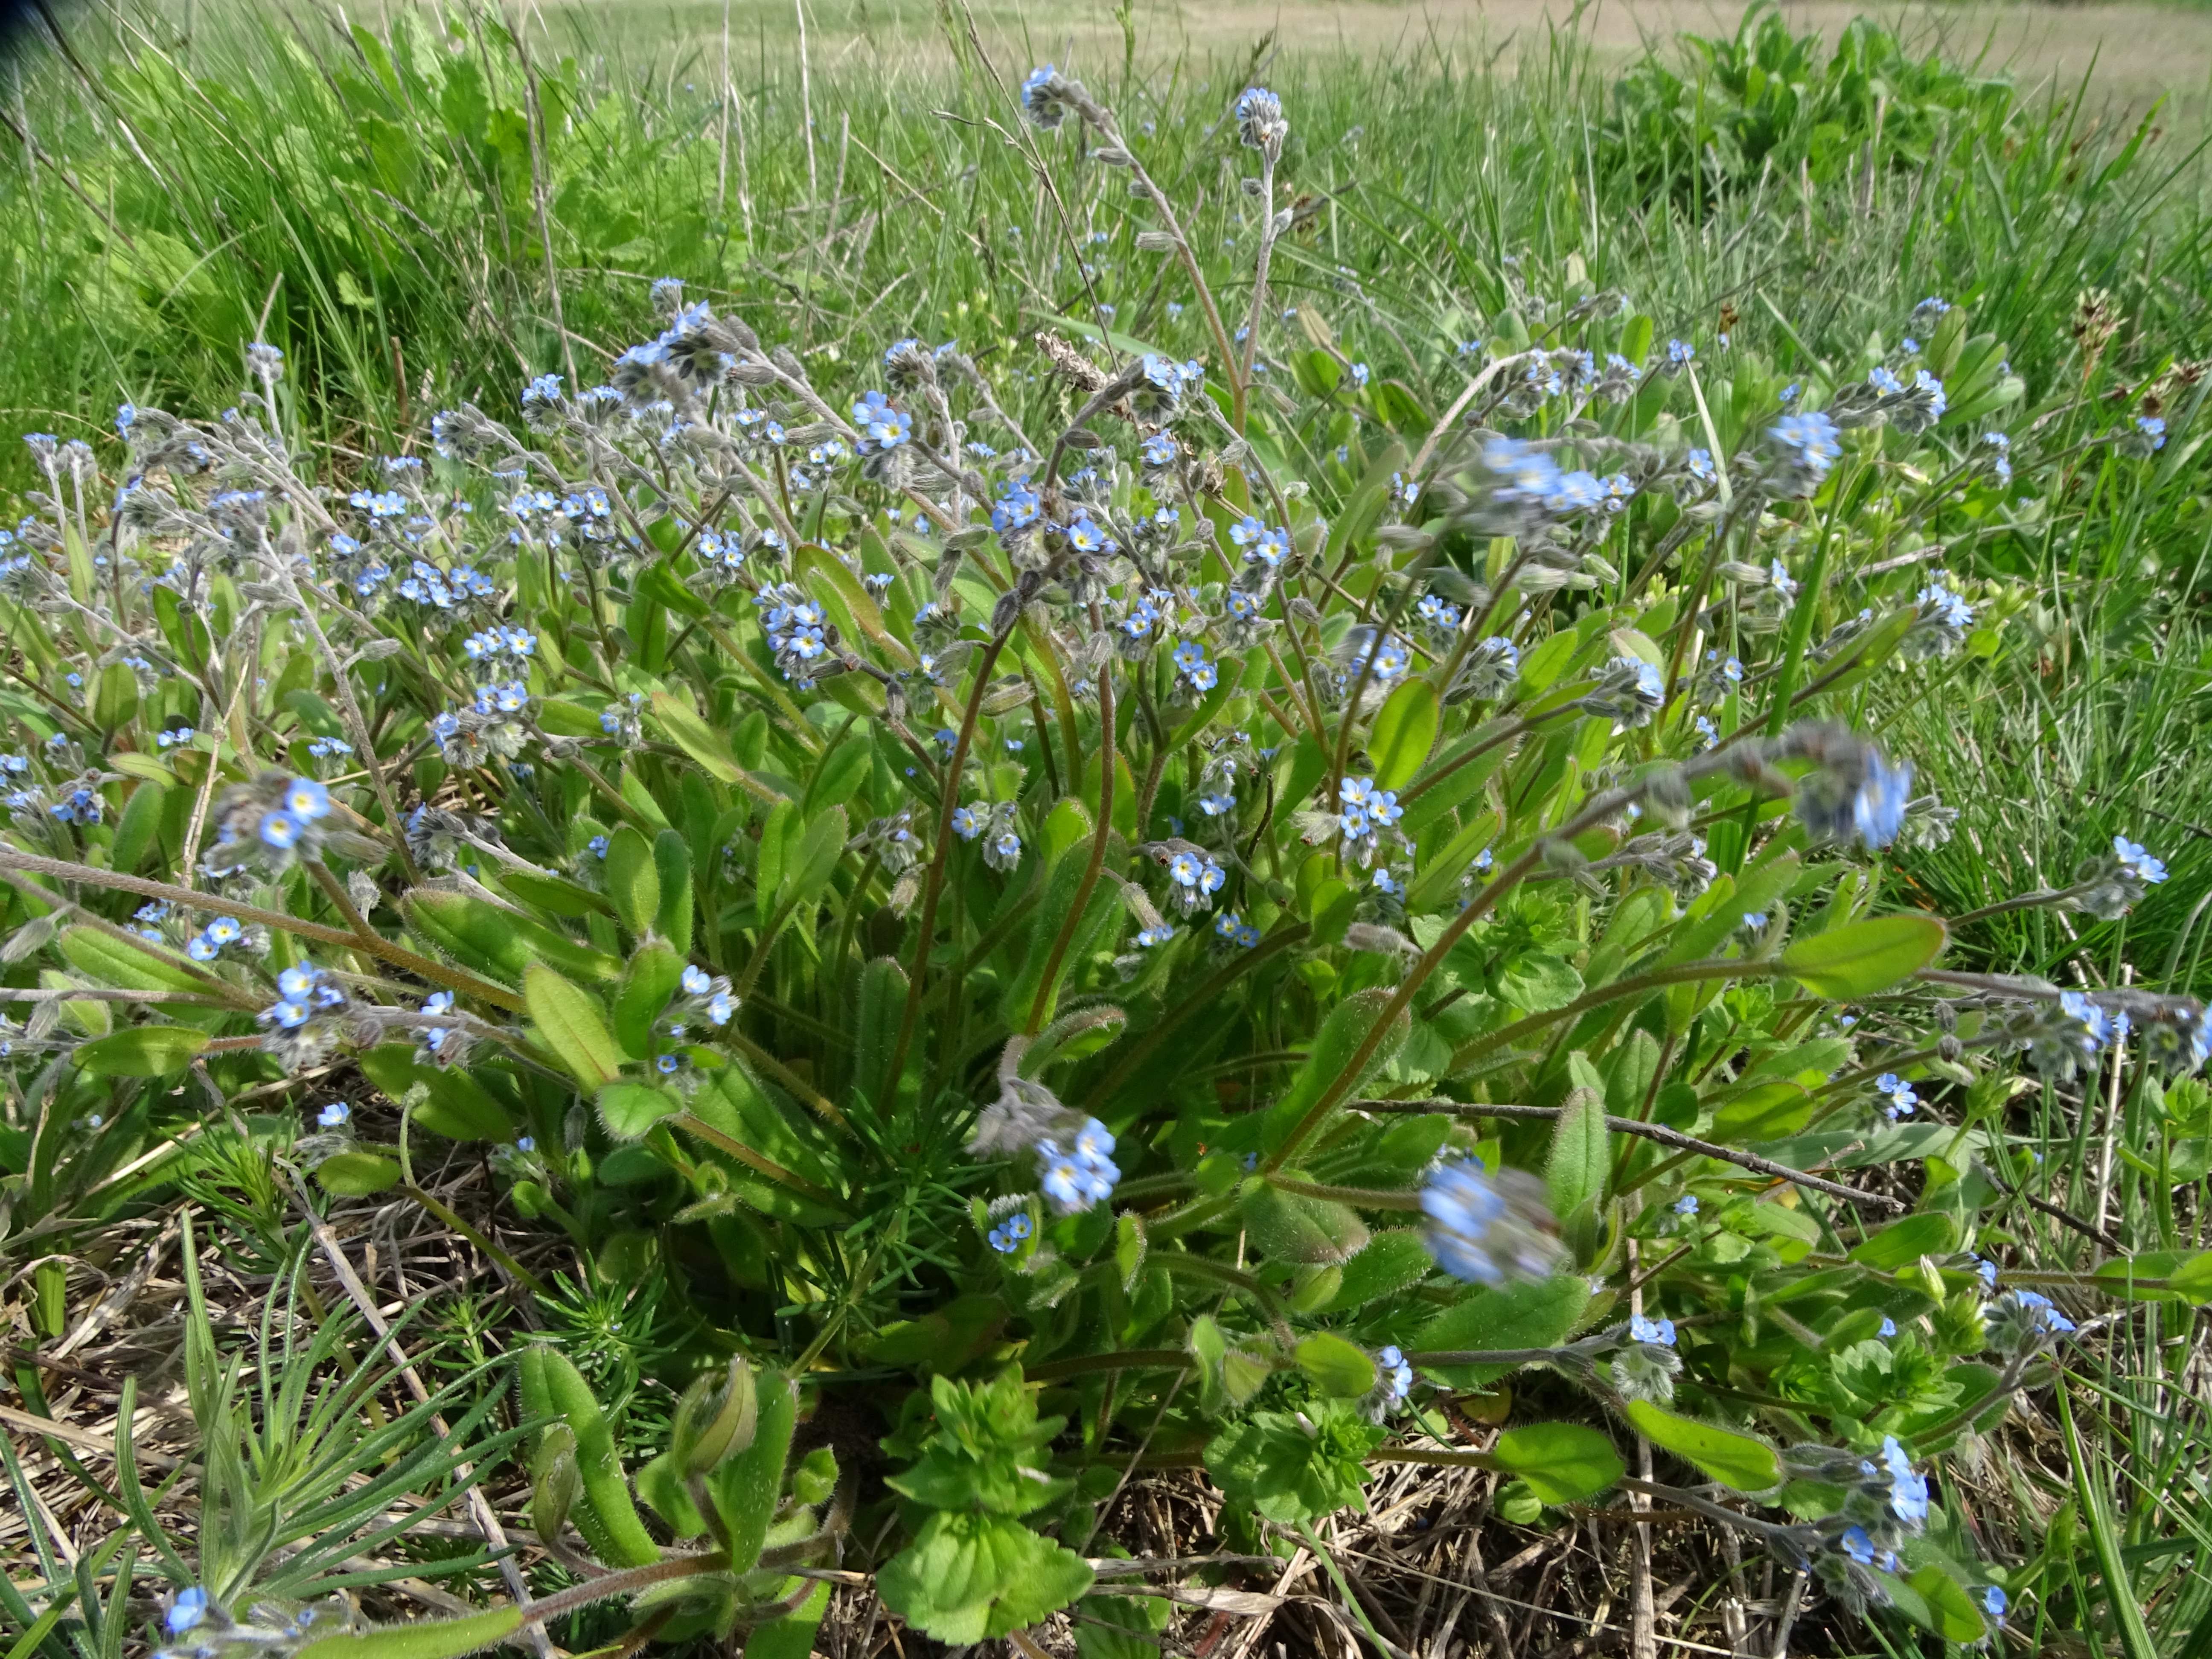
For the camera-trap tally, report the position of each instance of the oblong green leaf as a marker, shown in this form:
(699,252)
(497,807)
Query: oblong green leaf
(1907,1240)
(1536,1313)
(140,1051)
(500,942)
(1391,1262)
(633,880)
(1404,733)
(356,1174)
(1562,1462)
(121,966)
(1330,1059)
(437,1638)
(2183,1275)
(654,974)
(1581,1160)
(1740,1461)
(569,1020)
(1952,1612)
(1291,1227)
(629,1109)
(459,1107)
(1861,957)
(1334,1366)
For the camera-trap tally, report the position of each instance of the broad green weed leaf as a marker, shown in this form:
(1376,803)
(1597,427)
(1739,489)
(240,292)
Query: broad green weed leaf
(1404,732)
(1290,1472)
(1862,957)
(1907,1240)
(147,1051)
(969,1578)
(570,1022)
(1735,1460)
(1562,1462)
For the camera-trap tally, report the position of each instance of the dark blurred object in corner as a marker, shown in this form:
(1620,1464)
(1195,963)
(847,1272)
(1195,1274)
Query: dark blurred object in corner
(24,31)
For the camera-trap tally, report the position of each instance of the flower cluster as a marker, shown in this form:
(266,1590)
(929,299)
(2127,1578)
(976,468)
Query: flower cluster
(1081,1175)
(270,822)
(1489,1229)
(1366,814)
(2107,888)
(2021,1323)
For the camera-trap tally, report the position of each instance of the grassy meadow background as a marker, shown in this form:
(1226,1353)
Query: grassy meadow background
(421,206)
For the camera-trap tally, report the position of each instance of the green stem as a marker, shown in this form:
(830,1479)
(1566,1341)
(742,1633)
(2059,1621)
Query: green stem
(1066,936)
(374,943)
(521,1274)
(1634,985)
(753,1161)
(1600,808)
(1134,1360)
(935,882)
(1363,1198)
(1206,996)
(1200,1267)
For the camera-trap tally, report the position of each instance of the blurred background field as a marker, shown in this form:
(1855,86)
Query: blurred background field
(2134,53)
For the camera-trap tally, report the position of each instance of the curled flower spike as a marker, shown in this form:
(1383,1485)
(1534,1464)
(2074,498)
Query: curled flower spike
(1809,444)
(1260,122)
(1046,97)
(1853,792)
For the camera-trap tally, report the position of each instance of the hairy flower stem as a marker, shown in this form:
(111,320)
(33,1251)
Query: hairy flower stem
(1350,718)
(1201,997)
(1259,267)
(1601,808)
(375,944)
(356,723)
(1483,377)
(335,891)
(1634,985)
(1102,118)
(1129,1359)
(933,882)
(2042,896)
(1800,636)
(700,1127)
(1066,936)
(1640,1129)
(1363,1198)
(1200,1267)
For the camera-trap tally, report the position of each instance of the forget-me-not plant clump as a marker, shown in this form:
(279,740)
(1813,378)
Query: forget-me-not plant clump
(1200,929)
